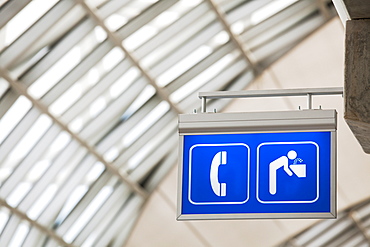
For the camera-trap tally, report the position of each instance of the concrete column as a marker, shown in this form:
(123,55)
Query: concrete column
(357,80)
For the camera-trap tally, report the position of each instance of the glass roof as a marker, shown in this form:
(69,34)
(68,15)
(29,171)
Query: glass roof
(90,91)
(351,228)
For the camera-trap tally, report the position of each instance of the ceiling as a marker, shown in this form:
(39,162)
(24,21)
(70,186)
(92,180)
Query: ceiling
(89,97)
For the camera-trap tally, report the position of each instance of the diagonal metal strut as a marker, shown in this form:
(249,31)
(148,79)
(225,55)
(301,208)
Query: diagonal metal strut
(18,87)
(34,223)
(247,54)
(162,93)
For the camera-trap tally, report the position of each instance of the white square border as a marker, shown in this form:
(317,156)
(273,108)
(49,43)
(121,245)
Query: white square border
(218,145)
(317,171)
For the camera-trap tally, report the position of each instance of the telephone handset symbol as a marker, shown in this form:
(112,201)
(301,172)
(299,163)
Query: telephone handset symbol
(218,188)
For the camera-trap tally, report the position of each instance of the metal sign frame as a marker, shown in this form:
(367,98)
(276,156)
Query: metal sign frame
(259,122)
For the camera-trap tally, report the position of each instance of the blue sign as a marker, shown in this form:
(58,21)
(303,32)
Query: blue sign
(257,174)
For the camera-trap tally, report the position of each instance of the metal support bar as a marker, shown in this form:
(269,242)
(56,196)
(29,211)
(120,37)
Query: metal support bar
(342,11)
(322,5)
(353,216)
(124,177)
(309,101)
(204,102)
(309,92)
(161,92)
(247,54)
(34,223)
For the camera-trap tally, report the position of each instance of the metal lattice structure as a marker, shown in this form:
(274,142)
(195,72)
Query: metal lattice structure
(89,96)
(352,228)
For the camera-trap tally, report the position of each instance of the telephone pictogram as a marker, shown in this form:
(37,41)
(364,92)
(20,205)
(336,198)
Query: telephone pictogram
(218,188)
(218,174)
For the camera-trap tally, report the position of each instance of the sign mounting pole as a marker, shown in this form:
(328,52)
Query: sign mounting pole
(309,92)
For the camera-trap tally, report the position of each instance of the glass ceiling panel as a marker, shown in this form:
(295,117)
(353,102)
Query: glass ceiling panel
(89,96)
(350,229)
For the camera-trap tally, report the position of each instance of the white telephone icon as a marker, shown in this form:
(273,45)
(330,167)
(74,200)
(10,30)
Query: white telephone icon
(218,188)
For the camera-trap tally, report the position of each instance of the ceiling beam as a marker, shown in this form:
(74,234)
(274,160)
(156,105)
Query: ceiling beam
(247,54)
(19,88)
(161,92)
(34,223)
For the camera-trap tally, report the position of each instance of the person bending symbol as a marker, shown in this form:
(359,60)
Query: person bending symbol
(278,163)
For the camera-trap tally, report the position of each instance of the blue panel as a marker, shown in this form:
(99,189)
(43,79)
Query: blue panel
(256,173)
